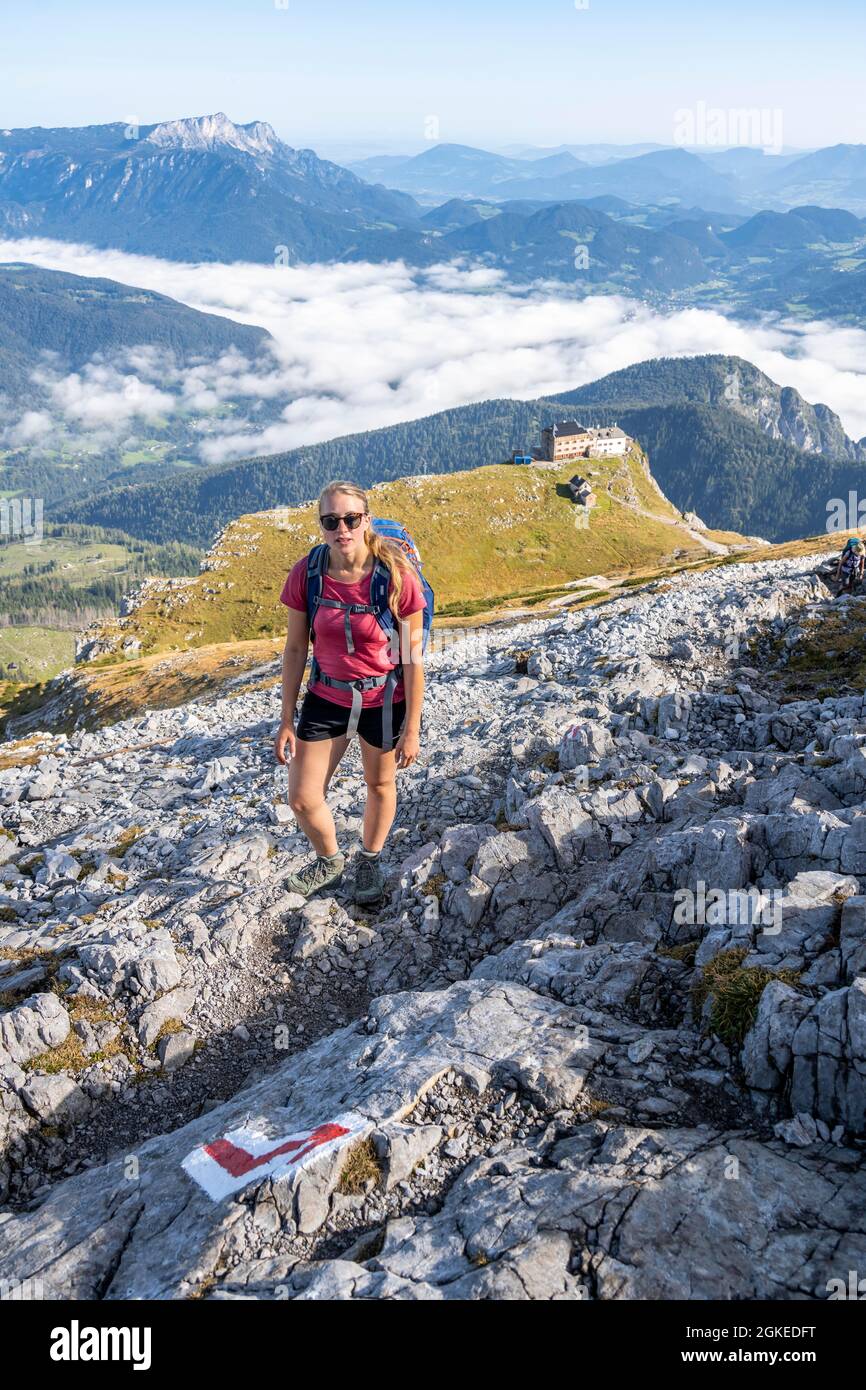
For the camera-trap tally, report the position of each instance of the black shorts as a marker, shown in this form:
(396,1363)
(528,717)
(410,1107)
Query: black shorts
(320,718)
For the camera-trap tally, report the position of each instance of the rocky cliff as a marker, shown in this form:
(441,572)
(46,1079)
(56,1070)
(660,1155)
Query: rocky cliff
(731,382)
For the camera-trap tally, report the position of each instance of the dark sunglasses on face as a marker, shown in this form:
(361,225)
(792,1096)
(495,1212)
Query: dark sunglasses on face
(331,521)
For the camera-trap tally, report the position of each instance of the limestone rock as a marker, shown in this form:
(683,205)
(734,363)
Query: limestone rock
(35,1026)
(584,743)
(55,1098)
(175,1049)
(175,1004)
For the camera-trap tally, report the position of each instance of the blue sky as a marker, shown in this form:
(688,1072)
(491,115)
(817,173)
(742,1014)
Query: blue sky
(492,72)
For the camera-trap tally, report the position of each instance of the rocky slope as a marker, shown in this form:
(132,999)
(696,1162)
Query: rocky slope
(573,1054)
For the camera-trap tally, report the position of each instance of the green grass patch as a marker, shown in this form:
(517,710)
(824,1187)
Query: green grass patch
(29,654)
(435,886)
(685,952)
(735,991)
(126,841)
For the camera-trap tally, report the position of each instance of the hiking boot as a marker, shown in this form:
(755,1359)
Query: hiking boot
(319,873)
(369,880)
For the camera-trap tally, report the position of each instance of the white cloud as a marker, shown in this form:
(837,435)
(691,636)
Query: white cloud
(361,346)
(33,426)
(101,396)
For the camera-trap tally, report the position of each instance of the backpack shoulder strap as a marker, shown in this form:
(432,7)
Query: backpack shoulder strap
(317,564)
(380,583)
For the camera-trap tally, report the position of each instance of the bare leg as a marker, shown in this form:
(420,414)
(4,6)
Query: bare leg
(380,776)
(338,748)
(309,774)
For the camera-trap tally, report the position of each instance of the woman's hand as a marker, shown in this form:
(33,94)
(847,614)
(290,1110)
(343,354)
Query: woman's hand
(285,739)
(407,747)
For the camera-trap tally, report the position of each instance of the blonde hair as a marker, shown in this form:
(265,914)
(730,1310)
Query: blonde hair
(383,549)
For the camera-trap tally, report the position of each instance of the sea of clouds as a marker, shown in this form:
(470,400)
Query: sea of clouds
(358,346)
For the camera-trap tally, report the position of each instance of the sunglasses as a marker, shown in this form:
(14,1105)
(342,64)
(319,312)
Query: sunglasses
(331,521)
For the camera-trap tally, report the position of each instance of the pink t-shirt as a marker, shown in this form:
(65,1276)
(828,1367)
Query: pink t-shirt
(372,647)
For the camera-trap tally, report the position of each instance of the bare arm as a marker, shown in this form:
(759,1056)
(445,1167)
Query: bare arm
(294,662)
(408,744)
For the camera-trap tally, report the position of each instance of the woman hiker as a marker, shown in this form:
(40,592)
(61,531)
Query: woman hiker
(849,571)
(351,662)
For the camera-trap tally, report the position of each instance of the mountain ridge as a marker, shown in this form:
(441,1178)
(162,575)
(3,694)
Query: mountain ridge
(77,316)
(207,188)
(741,178)
(61,332)
(206,132)
(183,189)
(676,426)
(780,411)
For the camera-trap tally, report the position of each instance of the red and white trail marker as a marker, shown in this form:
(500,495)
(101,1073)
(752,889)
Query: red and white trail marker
(248,1154)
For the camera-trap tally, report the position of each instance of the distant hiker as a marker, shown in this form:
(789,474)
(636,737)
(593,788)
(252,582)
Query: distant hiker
(849,571)
(355,595)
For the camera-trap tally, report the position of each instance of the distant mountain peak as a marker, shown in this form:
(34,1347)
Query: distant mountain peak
(212,132)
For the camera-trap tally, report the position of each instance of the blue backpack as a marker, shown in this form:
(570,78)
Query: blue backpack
(379,583)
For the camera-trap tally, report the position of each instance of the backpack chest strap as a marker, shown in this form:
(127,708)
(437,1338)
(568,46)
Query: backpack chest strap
(348,608)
